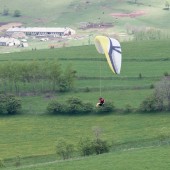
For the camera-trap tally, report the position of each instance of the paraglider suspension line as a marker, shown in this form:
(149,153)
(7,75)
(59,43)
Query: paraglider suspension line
(100,83)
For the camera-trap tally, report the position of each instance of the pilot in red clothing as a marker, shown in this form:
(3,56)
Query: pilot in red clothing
(101,102)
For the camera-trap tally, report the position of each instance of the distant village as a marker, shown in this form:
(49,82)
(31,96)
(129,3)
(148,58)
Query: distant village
(17,36)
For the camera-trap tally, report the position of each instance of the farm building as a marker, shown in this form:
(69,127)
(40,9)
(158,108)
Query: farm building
(9,41)
(41,31)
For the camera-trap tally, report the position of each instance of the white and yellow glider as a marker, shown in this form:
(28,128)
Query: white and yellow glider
(112,50)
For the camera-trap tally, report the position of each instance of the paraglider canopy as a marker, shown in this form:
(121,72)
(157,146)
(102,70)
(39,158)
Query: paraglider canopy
(112,50)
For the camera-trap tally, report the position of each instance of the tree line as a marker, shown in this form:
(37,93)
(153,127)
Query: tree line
(35,76)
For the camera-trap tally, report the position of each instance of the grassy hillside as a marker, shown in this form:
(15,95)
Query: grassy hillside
(23,136)
(148,58)
(72,13)
(139,141)
(138,159)
(124,16)
(33,135)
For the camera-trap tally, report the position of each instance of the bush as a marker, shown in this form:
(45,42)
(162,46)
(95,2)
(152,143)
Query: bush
(64,149)
(96,146)
(9,104)
(86,147)
(55,107)
(166,74)
(151,104)
(5,12)
(152,86)
(17,13)
(128,108)
(140,76)
(3,107)
(100,146)
(87,108)
(75,105)
(106,108)
(13,104)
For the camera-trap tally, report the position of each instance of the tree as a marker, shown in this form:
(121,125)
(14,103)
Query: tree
(17,13)
(53,72)
(162,91)
(66,81)
(151,104)
(5,12)
(167,5)
(9,104)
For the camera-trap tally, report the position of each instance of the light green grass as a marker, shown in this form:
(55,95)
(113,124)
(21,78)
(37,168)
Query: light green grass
(120,98)
(37,135)
(137,159)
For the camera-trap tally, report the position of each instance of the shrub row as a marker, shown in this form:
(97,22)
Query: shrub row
(75,106)
(85,147)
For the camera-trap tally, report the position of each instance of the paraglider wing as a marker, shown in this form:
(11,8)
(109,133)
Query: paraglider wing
(112,50)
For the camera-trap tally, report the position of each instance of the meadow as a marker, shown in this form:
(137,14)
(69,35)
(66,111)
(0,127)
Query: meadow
(72,13)
(144,158)
(33,134)
(139,141)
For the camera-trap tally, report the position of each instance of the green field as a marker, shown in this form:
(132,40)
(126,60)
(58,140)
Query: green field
(33,135)
(138,159)
(150,59)
(27,139)
(138,141)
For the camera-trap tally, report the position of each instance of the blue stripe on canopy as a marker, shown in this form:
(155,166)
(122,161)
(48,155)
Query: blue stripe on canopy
(113,48)
(110,55)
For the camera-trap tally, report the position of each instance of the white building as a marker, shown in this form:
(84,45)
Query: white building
(41,31)
(4,41)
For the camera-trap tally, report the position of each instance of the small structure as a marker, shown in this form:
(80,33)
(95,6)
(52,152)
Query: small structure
(4,41)
(41,31)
